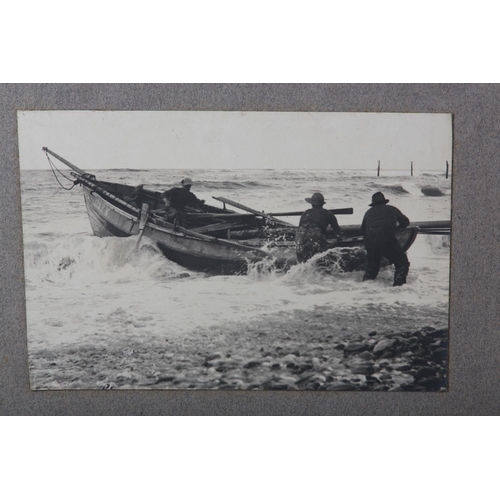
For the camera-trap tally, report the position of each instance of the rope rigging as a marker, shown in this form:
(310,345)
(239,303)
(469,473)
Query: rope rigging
(54,169)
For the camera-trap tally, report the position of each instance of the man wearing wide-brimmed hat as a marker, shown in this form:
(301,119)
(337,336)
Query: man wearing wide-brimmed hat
(379,230)
(177,199)
(310,238)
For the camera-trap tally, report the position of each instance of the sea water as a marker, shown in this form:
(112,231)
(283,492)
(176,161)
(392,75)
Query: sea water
(85,289)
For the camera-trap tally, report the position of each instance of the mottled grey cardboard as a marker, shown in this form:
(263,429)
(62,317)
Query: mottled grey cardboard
(474,270)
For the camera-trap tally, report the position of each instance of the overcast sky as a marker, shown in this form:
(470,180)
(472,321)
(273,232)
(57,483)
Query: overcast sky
(232,140)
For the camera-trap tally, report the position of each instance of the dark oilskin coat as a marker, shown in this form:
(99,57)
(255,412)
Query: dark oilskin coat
(310,238)
(179,199)
(379,230)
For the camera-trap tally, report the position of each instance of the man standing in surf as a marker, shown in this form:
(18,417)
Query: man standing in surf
(310,238)
(379,230)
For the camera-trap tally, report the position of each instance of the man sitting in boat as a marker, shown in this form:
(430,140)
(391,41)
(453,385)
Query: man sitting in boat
(177,200)
(379,230)
(310,238)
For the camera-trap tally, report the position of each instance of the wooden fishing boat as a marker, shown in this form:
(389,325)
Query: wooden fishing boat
(215,240)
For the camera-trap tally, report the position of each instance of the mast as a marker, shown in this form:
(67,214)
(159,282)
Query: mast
(66,162)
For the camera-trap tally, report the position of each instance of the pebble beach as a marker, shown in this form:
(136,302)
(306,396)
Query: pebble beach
(307,350)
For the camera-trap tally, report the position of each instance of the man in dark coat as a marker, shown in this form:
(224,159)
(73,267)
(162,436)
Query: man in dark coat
(177,200)
(379,230)
(310,238)
(180,198)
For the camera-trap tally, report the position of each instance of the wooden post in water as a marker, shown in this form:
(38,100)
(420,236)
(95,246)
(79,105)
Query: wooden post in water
(412,169)
(447,167)
(378,170)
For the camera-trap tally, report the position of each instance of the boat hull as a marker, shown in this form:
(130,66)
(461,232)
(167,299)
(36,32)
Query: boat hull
(201,262)
(204,254)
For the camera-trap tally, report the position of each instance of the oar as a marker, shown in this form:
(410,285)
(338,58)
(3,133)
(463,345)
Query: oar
(439,232)
(142,223)
(432,224)
(338,211)
(251,210)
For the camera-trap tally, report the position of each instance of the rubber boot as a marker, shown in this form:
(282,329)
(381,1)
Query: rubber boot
(400,275)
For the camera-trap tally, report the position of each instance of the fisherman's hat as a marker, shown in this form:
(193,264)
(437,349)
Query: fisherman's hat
(187,182)
(378,199)
(316,199)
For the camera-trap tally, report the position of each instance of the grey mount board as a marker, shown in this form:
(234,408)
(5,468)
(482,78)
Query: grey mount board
(475,266)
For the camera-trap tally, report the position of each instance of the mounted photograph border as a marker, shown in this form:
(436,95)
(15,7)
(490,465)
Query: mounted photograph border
(474,347)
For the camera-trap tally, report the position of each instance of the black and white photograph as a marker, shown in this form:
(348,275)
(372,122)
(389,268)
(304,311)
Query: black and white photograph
(228,250)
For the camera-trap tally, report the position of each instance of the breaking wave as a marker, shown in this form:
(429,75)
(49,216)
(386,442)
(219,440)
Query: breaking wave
(397,189)
(229,185)
(391,188)
(432,191)
(88,259)
(212,186)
